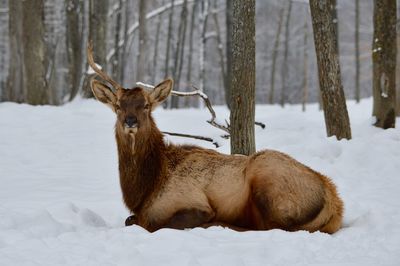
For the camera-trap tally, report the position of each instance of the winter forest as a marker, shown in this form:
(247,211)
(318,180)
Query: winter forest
(267,129)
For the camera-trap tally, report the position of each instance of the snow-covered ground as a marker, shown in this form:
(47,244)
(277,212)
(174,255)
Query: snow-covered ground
(60,201)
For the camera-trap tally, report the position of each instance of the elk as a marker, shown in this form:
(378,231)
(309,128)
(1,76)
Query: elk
(181,186)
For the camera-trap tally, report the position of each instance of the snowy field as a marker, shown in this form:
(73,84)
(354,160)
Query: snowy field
(60,201)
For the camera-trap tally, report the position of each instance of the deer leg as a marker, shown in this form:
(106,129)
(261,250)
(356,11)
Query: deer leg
(189,218)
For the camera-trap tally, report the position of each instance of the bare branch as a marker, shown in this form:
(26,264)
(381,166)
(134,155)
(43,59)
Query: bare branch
(193,137)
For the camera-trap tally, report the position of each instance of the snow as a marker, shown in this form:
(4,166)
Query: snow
(60,201)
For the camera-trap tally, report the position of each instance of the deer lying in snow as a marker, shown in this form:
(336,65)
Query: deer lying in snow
(171,186)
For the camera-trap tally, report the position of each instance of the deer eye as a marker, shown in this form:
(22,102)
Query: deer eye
(147,106)
(117,108)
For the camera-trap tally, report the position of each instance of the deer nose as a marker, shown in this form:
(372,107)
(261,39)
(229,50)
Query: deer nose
(130,121)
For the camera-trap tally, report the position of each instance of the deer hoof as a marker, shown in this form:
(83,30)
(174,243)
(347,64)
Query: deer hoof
(131,220)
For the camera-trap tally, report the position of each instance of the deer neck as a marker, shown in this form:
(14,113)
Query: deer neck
(141,164)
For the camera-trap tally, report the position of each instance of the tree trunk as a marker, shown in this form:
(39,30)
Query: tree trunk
(15,91)
(190,55)
(73,44)
(169,37)
(115,60)
(285,68)
(384,63)
(228,76)
(357,50)
(243,82)
(98,10)
(205,7)
(334,102)
(180,47)
(305,66)
(141,62)
(275,56)
(155,58)
(34,54)
(220,47)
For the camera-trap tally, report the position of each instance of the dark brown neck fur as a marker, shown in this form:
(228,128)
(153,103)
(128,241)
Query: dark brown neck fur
(142,168)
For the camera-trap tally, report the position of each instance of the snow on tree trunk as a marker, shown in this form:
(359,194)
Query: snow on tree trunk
(334,103)
(384,63)
(243,78)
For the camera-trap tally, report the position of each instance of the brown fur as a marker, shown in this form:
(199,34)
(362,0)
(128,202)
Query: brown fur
(166,185)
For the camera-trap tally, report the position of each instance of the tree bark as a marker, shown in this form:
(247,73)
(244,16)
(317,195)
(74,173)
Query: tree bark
(285,68)
(169,37)
(243,82)
(115,60)
(141,63)
(275,56)
(15,90)
(228,76)
(334,102)
(155,58)
(98,10)
(73,44)
(357,50)
(384,63)
(305,66)
(34,48)
(180,47)
(205,8)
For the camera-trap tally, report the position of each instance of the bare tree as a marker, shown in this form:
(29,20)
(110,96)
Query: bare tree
(156,44)
(15,91)
(180,47)
(205,10)
(98,17)
(115,63)
(169,37)
(141,62)
(285,67)
(34,48)
(305,66)
(384,63)
(228,77)
(243,82)
(334,103)
(357,49)
(275,56)
(73,44)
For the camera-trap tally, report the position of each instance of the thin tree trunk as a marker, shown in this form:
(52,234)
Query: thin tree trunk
(334,102)
(220,47)
(73,44)
(180,45)
(357,50)
(98,10)
(16,90)
(34,48)
(305,66)
(155,58)
(115,62)
(189,68)
(205,7)
(333,7)
(243,83)
(169,37)
(285,68)
(275,56)
(141,62)
(228,79)
(384,63)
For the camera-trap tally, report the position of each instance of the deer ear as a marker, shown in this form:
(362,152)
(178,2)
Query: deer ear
(103,93)
(161,92)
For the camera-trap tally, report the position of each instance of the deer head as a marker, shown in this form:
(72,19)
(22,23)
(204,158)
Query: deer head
(132,106)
